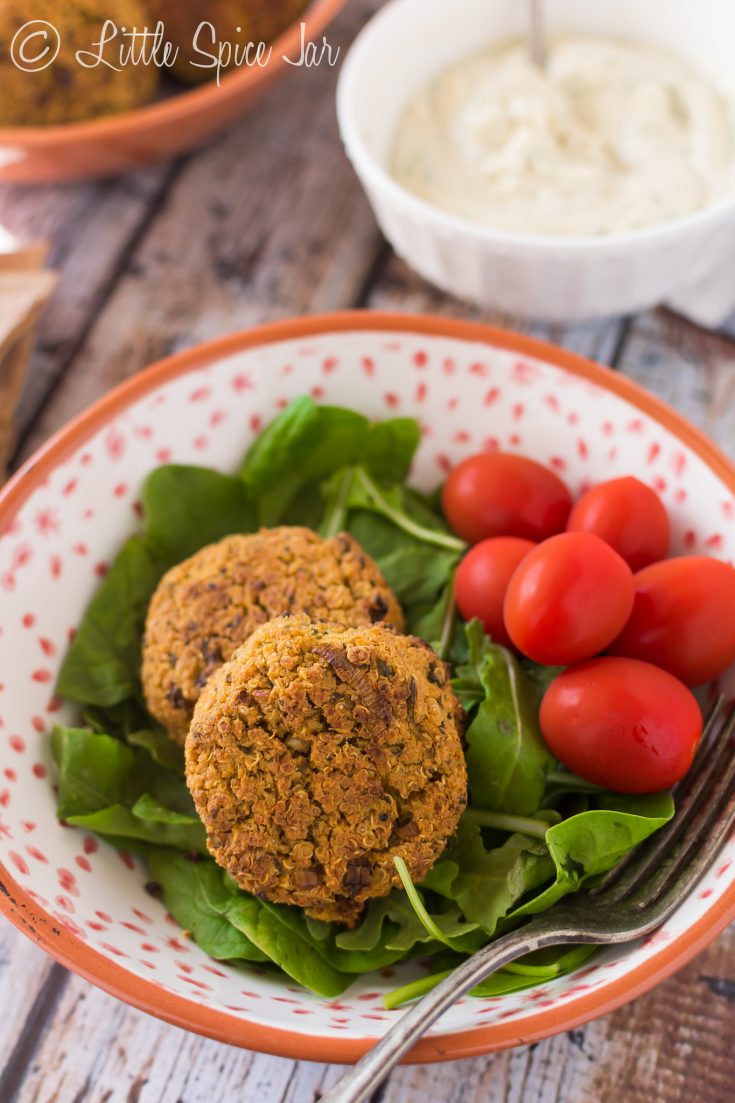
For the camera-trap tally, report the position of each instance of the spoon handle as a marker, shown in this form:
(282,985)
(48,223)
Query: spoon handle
(537,35)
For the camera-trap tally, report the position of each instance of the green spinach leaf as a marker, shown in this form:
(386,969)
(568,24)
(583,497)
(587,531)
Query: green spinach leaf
(102,665)
(120,824)
(97,771)
(187,508)
(281,934)
(592,842)
(160,747)
(507,759)
(307,443)
(94,770)
(196,897)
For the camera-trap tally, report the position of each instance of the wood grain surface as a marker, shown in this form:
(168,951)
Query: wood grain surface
(270,222)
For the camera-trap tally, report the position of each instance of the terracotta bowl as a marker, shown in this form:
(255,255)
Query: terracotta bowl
(119,143)
(64,516)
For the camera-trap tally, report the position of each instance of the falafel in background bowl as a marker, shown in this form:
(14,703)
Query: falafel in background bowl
(63,120)
(296,680)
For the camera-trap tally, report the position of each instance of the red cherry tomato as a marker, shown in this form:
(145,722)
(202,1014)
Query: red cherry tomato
(629,516)
(500,494)
(683,618)
(568,599)
(482,579)
(622,724)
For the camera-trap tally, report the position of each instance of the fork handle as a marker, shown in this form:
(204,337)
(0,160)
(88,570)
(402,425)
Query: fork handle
(370,1071)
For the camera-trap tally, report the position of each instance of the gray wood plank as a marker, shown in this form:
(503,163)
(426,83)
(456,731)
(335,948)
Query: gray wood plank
(24,970)
(691,369)
(398,288)
(127,1056)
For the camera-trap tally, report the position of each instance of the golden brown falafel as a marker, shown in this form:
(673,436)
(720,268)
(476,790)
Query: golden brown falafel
(206,607)
(66,91)
(257,20)
(317,754)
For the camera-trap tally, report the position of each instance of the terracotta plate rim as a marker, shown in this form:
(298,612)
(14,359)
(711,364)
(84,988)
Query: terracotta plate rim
(178,107)
(21,910)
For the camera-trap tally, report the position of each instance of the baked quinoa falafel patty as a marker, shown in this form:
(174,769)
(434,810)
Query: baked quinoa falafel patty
(206,607)
(317,754)
(65,90)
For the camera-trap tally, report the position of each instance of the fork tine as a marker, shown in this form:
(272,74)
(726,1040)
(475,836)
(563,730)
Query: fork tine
(708,829)
(714,747)
(715,721)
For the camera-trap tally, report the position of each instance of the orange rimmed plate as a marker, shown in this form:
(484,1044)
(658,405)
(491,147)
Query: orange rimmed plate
(66,513)
(162,129)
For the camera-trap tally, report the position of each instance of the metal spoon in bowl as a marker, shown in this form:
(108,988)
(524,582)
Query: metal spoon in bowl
(536,34)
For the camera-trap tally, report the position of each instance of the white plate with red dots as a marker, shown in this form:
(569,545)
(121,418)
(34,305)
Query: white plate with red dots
(66,514)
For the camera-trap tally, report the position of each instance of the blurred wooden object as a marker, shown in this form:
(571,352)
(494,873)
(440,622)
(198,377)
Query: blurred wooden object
(25,288)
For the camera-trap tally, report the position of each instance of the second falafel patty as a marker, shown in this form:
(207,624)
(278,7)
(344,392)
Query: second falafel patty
(207,606)
(317,754)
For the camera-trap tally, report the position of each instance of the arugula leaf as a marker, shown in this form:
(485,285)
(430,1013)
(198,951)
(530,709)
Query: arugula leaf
(512,978)
(507,759)
(196,897)
(189,507)
(306,443)
(392,922)
(488,883)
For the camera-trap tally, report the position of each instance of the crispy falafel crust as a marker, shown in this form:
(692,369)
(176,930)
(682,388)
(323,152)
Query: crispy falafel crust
(318,754)
(207,606)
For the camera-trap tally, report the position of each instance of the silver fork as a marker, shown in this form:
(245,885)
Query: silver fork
(635,898)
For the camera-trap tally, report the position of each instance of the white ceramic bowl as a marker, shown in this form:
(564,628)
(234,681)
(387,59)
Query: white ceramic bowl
(557,279)
(70,509)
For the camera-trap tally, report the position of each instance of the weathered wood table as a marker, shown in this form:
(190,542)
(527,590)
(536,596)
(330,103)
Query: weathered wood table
(266,223)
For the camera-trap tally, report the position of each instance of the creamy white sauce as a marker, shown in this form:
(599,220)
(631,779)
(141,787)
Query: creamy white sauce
(613,136)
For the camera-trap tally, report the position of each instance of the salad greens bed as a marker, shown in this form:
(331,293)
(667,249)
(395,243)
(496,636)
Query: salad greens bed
(532,833)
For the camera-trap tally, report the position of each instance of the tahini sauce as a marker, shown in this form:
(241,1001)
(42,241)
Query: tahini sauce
(613,136)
